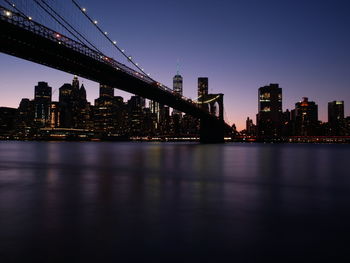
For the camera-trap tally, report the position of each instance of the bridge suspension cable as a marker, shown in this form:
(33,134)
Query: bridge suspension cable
(197,101)
(69,25)
(114,43)
(57,20)
(17,9)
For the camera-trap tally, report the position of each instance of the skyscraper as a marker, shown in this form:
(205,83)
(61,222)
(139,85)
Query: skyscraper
(250,127)
(42,102)
(202,87)
(106,91)
(75,82)
(177,84)
(177,88)
(306,117)
(74,108)
(335,111)
(269,117)
(203,92)
(336,118)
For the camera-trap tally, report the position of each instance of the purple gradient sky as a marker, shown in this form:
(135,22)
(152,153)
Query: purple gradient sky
(239,44)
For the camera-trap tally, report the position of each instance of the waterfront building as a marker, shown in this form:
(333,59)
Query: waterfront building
(109,115)
(67,106)
(7,121)
(250,127)
(336,122)
(54,115)
(269,117)
(306,118)
(42,102)
(25,117)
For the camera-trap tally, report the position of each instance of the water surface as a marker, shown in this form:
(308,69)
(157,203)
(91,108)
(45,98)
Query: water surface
(121,202)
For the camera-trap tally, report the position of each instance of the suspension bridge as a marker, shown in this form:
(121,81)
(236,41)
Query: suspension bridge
(40,31)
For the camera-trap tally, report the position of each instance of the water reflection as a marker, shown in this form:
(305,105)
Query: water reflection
(203,201)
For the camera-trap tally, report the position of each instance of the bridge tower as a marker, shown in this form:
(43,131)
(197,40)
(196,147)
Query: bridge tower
(212,131)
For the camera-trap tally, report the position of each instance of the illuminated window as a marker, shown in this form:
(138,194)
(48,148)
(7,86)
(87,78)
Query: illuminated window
(265,96)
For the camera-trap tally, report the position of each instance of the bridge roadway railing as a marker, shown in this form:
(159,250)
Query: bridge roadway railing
(28,24)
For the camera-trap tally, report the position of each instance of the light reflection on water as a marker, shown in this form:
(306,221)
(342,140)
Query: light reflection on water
(117,200)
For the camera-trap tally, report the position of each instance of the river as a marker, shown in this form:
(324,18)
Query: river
(138,202)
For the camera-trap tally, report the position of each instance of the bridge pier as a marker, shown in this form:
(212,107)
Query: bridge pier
(211,132)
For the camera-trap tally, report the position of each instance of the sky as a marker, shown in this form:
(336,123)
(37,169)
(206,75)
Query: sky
(240,45)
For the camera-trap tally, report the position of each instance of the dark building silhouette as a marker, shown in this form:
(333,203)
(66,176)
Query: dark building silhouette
(269,118)
(66,101)
(74,109)
(7,121)
(109,115)
(287,123)
(336,123)
(106,91)
(164,120)
(84,112)
(190,126)
(135,106)
(203,87)
(42,102)
(250,127)
(25,118)
(335,111)
(306,118)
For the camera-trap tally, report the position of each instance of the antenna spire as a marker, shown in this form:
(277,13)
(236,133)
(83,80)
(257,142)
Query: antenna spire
(178,67)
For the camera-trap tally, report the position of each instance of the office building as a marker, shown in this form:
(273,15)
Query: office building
(336,123)
(106,91)
(269,117)
(306,118)
(42,102)
(177,88)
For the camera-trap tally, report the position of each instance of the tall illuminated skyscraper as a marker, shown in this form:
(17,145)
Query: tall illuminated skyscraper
(269,118)
(42,101)
(178,84)
(178,89)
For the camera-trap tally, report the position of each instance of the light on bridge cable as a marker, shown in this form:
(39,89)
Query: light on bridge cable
(83,9)
(114,42)
(95,22)
(8,13)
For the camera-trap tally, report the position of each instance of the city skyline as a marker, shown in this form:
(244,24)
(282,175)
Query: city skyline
(93,92)
(238,46)
(271,121)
